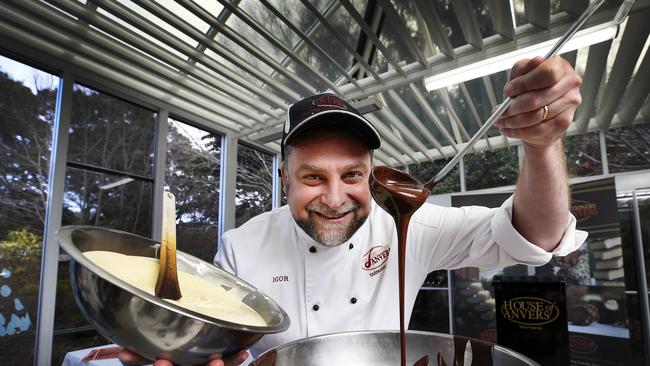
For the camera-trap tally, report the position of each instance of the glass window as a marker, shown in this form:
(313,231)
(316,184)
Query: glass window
(110,133)
(425,171)
(254,187)
(628,148)
(489,169)
(109,184)
(583,155)
(192,174)
(27,107)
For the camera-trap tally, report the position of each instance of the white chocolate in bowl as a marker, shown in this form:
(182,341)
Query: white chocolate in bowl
(198,295)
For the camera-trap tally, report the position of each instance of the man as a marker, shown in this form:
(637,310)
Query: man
(328,257)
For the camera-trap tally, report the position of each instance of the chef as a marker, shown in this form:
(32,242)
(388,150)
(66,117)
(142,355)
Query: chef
(329,257)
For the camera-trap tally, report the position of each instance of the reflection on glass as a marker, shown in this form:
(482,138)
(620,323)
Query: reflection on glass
(583,155)
(628,148)
(254,183)
(107,200)
(110,133)
(431,311)
(489,169)
(27,107)
(192,174)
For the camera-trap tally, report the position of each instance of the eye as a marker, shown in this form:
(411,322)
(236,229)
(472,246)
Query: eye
(311,178)
(352,175)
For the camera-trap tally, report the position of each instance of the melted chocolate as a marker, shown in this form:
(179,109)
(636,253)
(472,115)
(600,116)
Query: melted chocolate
(267,359)
(424,361)
(400,195)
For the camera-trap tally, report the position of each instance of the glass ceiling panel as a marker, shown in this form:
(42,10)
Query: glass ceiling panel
(463,110)
(410,100)
(449,22)
(556,7)
(188,16)
(141,33)
(161,23)
(520,12)
(211,6)
(482,14)
(482,103)
(413,22)
(397,50)
(265,19)
(438,106)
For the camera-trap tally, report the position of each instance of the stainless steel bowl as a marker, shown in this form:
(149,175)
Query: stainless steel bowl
(379,348)
(148,325)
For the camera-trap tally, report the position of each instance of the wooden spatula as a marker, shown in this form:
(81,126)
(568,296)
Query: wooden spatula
(167,284)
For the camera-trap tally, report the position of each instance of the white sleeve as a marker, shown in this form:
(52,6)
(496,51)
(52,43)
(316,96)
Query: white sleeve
(225,258)
(477,236)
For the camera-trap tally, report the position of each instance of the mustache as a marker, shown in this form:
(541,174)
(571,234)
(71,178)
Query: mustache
(330,212)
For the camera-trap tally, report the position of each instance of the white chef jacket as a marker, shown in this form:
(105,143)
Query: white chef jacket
(354,286)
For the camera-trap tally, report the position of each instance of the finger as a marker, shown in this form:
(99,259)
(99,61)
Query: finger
(566,88)
(543,133)
(523,66)
(543,76)
(527,119)
(130,358)
(162,362)
(237,359)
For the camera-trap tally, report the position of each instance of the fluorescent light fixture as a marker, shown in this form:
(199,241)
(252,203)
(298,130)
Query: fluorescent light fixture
(505,61)
(116,183)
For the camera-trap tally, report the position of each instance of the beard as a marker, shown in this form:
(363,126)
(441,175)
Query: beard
(334,234)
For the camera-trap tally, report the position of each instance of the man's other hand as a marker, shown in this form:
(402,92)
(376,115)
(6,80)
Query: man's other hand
(130,358)
(547,95)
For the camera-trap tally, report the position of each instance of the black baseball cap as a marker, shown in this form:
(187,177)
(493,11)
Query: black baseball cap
(327,109)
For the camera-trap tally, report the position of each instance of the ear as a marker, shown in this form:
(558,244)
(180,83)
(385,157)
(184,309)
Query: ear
(283,175)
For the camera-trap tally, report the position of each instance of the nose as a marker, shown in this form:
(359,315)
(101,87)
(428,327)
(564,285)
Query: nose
(335,195)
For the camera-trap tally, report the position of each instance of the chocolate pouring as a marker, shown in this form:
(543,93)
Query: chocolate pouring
(401,194)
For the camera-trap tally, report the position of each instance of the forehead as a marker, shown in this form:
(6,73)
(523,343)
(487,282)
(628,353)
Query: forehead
(327,150)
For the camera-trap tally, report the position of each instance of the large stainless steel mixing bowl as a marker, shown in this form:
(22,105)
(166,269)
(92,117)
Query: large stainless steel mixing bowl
(381,349)
(148,325)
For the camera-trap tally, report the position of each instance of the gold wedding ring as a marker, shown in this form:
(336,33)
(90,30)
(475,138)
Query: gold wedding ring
(544,113)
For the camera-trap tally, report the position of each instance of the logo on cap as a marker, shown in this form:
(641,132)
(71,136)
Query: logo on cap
(329,101)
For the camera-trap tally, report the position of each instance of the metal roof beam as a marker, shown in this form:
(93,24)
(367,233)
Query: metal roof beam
(406,110)
(489,89)
(29,31)
(635,36)
(424,104)
(637,92)
(94,48)
(305,38)
(403,31)
(341,39)
(495,46)
(370,33)
(468,23)
(408,134)
(224,85)
(591,80)
(456,123)
(501,14)
(243,43)
(472,109)
(388,135)
(570,57)
(436,34)
(212,32)
(278,44)
(538,13)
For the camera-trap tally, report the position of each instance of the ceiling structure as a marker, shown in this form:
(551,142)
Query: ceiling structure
(426,73)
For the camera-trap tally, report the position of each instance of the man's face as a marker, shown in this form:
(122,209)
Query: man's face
(326,182)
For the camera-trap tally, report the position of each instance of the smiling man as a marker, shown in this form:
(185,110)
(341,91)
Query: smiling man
(329,257)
